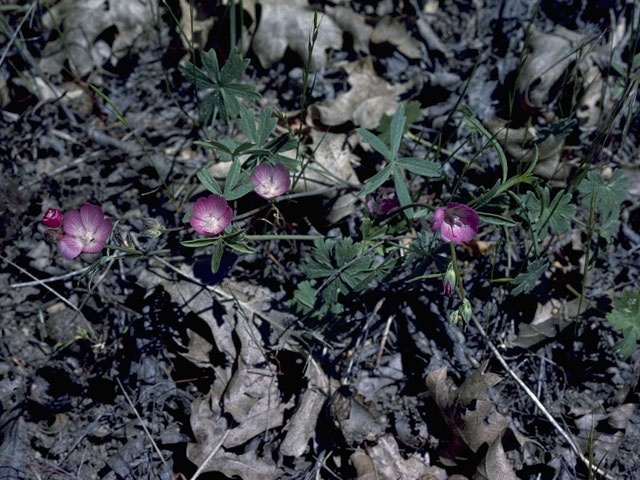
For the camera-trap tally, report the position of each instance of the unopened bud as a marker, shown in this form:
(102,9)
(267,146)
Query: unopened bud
(52,218)
(449,280)
(465,310)
(153,227)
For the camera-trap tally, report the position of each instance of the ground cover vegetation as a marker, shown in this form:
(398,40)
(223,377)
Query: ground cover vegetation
(269,239)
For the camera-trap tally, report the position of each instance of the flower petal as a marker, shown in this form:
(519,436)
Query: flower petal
(203,207)
(262,174)
(91,216)
(438,218)
(199,225)
(281,178)
(100,236)
(219,205)
(72,224)
(69,246)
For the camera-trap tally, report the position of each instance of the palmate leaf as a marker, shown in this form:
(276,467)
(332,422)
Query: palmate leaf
(626,318)
(223,100)
(550,214)
(525,282)
(613,190)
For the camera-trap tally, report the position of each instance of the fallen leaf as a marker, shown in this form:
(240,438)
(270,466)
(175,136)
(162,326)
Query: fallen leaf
(394,31)
(369,97)
(283,24)
(495,465)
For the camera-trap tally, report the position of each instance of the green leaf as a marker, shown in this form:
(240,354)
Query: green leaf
(199,242)
(238,245)
(525,282)
(377,144)
(626,318)
(475,125)
(240,191)
(209,182)
(545,214)
(233,176)
(495,219)
(233,67)
(420,166)
(266,125)
(216,256)
(372,184)
(402,190)
(396,130)
(305,294)
(196,76)
(246,124)
(412,114)
(613,190)
(187,216)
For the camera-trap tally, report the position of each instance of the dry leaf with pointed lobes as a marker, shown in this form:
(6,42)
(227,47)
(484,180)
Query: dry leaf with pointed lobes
(83,21)
(467,411)
(364,104)
(289,24)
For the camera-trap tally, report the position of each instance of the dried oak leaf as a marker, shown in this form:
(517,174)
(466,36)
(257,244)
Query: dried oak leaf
(495,465)
(394,31)
(364,104)
(283,24)
(81,23)
(467,410)
(385,461)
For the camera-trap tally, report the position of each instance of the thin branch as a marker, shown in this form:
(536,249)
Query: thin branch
(211,455)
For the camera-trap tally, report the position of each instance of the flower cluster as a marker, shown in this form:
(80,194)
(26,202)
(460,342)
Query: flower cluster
(84,230)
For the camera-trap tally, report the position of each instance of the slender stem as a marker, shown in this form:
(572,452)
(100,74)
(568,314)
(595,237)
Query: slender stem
(454,262)
(282,237)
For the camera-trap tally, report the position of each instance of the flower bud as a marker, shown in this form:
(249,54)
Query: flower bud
(153,227)
(449,280)
(52,218)
(465,310)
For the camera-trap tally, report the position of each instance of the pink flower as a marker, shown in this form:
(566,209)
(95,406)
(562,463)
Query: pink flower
(456,222)
(211,215)
(52,218)
(271,182)
(84,231)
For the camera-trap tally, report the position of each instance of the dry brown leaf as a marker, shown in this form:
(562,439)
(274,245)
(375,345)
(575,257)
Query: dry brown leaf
(352,22)
(549,320)
(283,24)
(389,463)
(549,58)
(495,465)
(83,21)
(392,30)
(302,425)
(608,430)
(369,97)
(467,410)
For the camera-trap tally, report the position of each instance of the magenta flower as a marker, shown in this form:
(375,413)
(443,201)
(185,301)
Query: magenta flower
(457,223)
(271,182)
(52,218)
(211,215)
(84,231)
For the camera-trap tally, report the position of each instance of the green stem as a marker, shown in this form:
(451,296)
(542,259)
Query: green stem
(454,262)
(282,237)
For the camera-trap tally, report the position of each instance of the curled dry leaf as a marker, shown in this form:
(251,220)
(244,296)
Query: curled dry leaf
(467,410)
(369,97)
(83,21)
(551,54)
(288,24)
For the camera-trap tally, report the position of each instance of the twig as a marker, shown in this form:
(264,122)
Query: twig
(42,284)
(594,468)
(50,279)
(211,455)
(144,427)
(385,334)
